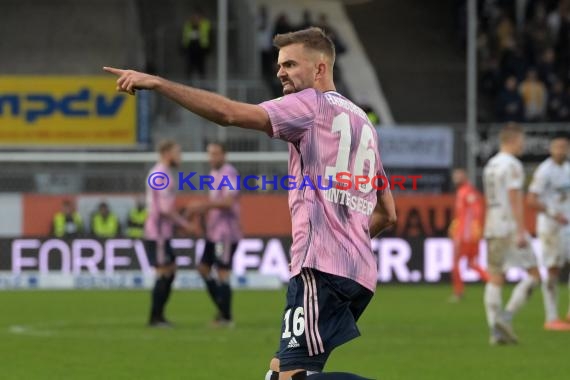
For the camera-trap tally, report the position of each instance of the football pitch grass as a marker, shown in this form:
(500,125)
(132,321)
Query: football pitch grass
(408,332)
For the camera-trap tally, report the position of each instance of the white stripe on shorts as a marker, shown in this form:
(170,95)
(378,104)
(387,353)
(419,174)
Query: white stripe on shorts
(307,311)
(314,340)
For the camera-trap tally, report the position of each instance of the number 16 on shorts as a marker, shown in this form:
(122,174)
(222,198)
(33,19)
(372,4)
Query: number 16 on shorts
(293,326)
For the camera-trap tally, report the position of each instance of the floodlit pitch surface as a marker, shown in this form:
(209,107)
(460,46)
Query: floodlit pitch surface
(409,332)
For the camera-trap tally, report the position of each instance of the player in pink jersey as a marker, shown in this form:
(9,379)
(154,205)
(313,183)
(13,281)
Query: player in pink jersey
(159,227)
(334,272)
(223,231)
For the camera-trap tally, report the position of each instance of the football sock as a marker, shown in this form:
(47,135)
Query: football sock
(158,296)
(521,294)
(272,375)
(568,314)
(457,281)
(550,297)
(493,301)
(225,297)
(213,290)
(169,282)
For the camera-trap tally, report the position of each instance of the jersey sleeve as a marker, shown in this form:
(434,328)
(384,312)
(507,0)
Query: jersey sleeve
(383,183)
(292,115)
(538,184)
(515,176)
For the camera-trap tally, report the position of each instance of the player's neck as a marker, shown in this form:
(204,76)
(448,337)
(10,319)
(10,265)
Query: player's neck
(326,86)
(508,150)
(327,89)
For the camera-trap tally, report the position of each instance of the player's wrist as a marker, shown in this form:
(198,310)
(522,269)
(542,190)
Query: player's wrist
(157,83)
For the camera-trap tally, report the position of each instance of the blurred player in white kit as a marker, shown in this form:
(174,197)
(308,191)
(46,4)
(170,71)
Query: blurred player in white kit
(549,194)
(508,243)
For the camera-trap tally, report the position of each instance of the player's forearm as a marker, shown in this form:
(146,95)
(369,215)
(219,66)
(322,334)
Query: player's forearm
(179,220)
(208,105)
(379,223)
(173,216)
(534,202)
(224,204)
(384,215)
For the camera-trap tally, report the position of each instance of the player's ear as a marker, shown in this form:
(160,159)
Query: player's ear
(320,70)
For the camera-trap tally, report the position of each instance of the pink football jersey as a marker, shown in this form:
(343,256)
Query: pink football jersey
(223,225)
(329,135)
(160,203)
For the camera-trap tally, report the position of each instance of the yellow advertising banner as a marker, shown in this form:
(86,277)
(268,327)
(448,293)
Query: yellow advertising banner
(65,111)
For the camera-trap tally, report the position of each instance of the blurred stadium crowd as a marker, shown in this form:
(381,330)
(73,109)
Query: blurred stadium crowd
(524,60)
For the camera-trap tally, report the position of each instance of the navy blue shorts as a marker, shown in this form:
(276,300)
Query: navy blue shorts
(219,254)
(321,314)
(159,254)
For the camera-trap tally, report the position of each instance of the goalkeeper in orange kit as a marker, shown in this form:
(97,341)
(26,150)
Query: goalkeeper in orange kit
(466,230)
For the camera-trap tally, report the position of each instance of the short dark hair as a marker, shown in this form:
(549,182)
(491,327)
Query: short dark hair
(509,132)
(313,38)
(166,145)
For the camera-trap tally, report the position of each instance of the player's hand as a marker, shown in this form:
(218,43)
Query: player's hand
(129,81)
(561,219)
(191,230)
(522,240)
(194,208)
(476,232)
(452,228)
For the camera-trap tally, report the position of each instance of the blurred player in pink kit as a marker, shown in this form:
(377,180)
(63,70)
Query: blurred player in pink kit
(159,227)
(333,268)
(223,231)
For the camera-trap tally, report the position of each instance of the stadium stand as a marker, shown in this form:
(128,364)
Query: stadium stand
(68,37)
(521,42)
(162,24)
(411,46)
